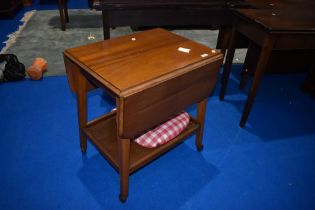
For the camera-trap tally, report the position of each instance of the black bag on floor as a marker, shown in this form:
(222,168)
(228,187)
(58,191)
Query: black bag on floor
(13,70)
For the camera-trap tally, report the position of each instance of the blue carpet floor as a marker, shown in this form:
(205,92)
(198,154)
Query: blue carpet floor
(269,164)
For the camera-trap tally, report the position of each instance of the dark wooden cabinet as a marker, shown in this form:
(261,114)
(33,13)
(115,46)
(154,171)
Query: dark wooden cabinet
(8,7)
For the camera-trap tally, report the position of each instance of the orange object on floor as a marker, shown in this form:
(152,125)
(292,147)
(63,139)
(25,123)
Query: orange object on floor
(36,70)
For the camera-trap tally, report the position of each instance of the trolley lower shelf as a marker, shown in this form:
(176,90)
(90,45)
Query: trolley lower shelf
(102,132)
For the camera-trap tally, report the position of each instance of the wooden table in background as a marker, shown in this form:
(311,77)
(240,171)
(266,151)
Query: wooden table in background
(146,13)
(287,25)
(151,81)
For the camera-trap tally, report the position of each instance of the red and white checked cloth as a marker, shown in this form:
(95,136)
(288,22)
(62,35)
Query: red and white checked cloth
(164,132)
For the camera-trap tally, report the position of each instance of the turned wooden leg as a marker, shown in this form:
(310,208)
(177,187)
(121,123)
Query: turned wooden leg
(82,110)
(228,62)
(201,113)
(124,150)
(260,69)
(62,14)
(106,28)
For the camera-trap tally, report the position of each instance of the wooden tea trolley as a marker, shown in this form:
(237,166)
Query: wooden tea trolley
(153,75)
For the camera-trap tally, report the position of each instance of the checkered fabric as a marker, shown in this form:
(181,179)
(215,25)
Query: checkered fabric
(164,132)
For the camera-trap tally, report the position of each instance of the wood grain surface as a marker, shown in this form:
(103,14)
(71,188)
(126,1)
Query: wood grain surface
(126,66)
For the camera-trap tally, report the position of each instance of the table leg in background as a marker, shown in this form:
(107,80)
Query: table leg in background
(106,29)
(245,71)
(66,10)
(228,63)
(260,69)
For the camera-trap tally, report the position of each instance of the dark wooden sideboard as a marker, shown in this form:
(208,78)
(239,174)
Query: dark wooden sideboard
(206,13)
(8,7)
